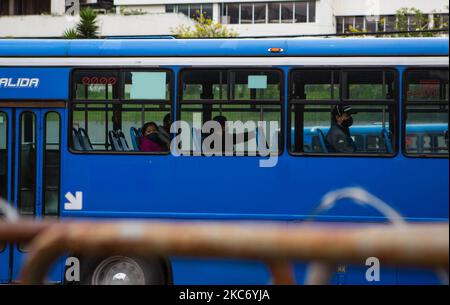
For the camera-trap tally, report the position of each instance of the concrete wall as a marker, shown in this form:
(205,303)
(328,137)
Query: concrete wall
(110,25)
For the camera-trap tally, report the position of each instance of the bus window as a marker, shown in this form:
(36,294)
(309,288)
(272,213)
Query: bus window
(96,85)
(3,155)
(350,112)
(52,142)
(426,112)
(139,96)
(27,164)
(3,163)
(237,97)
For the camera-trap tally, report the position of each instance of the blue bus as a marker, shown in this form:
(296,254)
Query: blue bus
(71,114)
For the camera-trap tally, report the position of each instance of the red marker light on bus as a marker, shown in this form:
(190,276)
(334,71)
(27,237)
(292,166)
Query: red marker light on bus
(276,50)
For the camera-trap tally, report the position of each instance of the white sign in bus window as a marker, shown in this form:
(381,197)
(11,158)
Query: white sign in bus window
(257,81)
(148,85)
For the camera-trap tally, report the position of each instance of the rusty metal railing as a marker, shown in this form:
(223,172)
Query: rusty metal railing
(414,245)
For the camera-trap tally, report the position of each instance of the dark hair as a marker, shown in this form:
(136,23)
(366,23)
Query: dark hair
(146,125)
(167,119)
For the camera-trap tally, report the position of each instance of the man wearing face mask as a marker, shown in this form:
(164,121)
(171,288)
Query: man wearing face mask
(338,136)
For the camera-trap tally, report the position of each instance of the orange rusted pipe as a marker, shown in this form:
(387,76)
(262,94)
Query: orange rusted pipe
(421,245)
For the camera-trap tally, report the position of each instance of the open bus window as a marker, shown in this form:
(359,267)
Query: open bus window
(426,112)
(366,97)
(144,96)
(240,98)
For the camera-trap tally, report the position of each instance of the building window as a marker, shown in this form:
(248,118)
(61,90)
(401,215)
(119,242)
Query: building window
(24,7)
(191,10)
(4,7)
(312,11)
(301,12)
(287,12)
(259,13)
(388,23)
(276,12)
(440,21)
(246,13)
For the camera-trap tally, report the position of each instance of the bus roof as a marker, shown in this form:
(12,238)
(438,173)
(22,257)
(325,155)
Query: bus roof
(224,47)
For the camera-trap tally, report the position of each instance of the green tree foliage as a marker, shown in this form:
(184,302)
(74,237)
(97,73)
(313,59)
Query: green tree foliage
(418,21)
(203,28)
(87,26)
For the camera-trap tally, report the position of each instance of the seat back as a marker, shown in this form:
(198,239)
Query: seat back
(322,140)
(76,140)
(84,139)
(164,136)
(135,135)
(122,141)
(387,140)
(114,141)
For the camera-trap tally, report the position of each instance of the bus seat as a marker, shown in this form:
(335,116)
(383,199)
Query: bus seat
(114,141)
(122,141)
(84,139)
(387,140)
(135,135)
(164,135)
(76,140)
(322,140)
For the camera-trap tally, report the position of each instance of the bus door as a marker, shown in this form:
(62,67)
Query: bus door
(29,173)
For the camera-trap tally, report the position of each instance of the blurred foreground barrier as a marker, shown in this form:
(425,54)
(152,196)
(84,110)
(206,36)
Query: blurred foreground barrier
(413,245)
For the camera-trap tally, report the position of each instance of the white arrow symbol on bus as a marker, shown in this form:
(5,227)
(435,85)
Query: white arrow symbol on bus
(75,202)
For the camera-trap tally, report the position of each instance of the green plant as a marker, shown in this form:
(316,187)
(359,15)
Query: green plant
(87,27)
(204,27)
(70,34)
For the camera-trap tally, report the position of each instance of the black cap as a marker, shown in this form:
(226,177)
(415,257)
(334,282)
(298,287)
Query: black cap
(341,109)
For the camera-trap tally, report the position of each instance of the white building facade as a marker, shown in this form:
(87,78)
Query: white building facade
(49,18)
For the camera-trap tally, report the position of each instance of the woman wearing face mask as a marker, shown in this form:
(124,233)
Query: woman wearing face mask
(151,141)
(338,136)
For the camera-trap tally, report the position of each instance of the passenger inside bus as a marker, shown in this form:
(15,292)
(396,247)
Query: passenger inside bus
(151,140)
(338,137)
(164,130)
(246,136)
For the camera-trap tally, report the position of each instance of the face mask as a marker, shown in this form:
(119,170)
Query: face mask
(347,123)
(153,136)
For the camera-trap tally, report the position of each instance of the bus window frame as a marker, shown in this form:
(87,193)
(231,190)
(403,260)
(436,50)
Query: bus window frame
(393,103)
(405,103)
(44,163)
(4,244)
(281,102)
(120,101)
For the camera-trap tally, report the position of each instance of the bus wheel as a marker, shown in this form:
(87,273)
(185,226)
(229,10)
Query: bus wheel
(122,270)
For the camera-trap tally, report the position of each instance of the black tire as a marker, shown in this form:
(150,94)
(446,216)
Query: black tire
(150,271)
